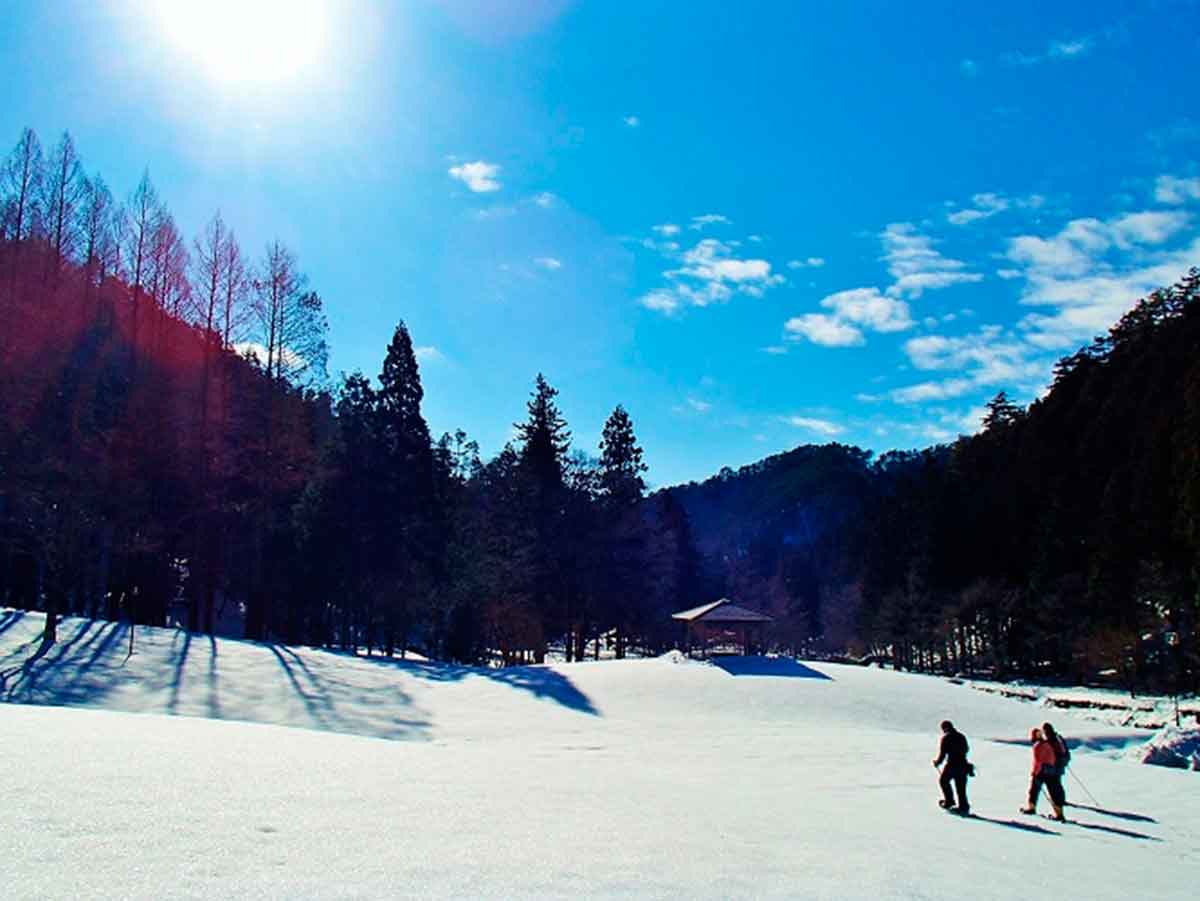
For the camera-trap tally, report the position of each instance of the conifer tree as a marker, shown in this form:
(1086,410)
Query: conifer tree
(545,441)
(408,518)
(621,465)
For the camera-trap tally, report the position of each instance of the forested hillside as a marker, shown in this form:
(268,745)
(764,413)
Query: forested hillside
(1063,539)
(171,450)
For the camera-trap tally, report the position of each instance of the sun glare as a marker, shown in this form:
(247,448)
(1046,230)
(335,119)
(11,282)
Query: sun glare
(248,41)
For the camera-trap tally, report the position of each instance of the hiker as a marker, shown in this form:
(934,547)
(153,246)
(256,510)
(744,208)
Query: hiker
(1045,772)
(953,750)
(1062,757)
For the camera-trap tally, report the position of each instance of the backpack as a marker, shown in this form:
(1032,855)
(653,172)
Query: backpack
(1062,755)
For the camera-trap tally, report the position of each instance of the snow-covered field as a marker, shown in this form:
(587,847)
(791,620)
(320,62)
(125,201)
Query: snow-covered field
(200,768)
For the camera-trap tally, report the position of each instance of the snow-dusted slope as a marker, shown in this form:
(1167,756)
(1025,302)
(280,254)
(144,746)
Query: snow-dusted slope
(649,778)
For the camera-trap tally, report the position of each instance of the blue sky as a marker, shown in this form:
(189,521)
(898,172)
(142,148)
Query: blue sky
(755,225)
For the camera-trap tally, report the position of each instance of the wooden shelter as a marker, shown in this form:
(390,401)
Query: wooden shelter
(721,625)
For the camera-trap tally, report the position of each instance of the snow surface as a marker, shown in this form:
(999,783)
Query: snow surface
(220,768)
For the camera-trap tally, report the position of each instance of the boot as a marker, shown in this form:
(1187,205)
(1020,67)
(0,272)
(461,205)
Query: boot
(1058,814)
(1028,808)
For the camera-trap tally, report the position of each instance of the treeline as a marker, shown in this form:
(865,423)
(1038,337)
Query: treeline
(1062,541)
(170,450)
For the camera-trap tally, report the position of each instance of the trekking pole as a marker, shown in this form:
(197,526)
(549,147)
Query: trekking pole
(1084,787)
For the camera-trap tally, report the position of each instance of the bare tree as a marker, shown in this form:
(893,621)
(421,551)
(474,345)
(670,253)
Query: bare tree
(97,231)
(140,222)
(291,321)
(168,266)
(233,314)
(20,185)
(64,191)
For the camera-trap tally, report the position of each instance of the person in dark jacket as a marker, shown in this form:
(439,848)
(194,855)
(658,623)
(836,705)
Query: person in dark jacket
(1062,757)
(953,750)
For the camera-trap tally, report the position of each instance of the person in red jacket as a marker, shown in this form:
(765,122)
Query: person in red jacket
(1045,772)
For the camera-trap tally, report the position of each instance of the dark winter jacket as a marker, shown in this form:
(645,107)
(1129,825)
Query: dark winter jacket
(953,750)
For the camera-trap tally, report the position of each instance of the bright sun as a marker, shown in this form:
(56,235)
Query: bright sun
(248,41)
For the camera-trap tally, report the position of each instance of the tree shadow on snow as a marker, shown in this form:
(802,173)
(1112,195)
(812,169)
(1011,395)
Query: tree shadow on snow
(10,619)
(1119,814)
(767,666)
(539,680)
(334,704)
(53,673)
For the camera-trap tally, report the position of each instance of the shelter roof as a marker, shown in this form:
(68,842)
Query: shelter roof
(722,611)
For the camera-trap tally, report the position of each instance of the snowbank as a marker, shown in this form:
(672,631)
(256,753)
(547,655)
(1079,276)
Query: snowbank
(1170,746)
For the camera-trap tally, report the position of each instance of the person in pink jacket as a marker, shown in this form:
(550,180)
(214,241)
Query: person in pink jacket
(1045,772)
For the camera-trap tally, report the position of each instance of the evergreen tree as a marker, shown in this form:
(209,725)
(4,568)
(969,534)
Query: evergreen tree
(545,441)
(409,521)
(621,465)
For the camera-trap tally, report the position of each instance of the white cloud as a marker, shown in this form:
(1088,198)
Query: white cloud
(825,330)
(811,424)
(548,263)
(1071,48)
(428,354)
(984,206)
(916,265)
(632,121)
(479,176)
(809,263)
(545,200)
(661,301)
(709,272)
(700,406)
(1169,189)
(1068,49)
(775,349)
(699,222)
(927,391)
(1092,271)
(867,307)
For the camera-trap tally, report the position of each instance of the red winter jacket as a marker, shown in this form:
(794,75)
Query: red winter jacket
(1043,756)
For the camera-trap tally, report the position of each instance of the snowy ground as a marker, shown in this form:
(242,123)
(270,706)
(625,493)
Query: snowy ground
(179,772)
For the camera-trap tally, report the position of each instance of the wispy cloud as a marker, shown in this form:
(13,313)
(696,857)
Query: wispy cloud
(988,204)
(808,263)
(1173,190)
(1070,49)
(548,263)
(853,311)
(545,200)
(428,354)
(823,329)
(667,229)
(700,406)
(479,176)
(632,121)
(811,424)
(699,222)
(707,273)
(661,301)
(916,266)
(1066,49)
